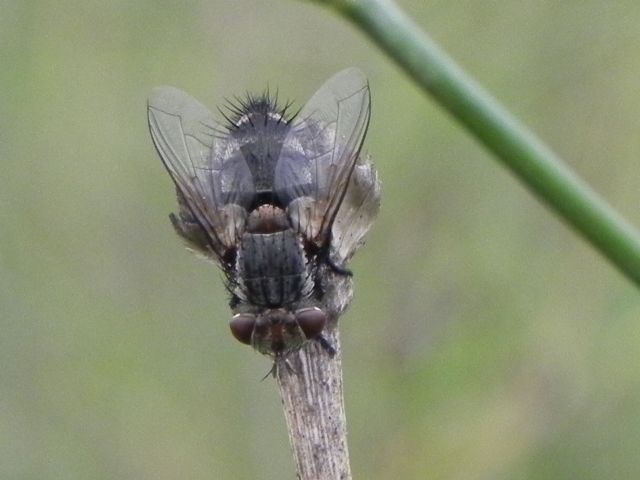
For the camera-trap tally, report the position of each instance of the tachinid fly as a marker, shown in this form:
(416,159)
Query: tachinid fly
(275,199)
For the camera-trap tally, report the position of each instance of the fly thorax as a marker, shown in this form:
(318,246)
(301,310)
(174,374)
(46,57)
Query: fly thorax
(267,219)
(272,266)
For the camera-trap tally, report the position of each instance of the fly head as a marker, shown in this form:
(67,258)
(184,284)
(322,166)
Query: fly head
(277,332)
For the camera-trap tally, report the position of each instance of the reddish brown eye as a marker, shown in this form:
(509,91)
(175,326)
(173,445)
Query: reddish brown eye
(311,321)
(242,327)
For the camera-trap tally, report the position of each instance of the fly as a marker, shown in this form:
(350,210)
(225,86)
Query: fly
(264,197)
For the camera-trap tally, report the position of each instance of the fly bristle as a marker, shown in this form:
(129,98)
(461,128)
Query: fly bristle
(241,111)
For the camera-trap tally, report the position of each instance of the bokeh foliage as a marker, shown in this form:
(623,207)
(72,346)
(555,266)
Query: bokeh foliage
(485,341)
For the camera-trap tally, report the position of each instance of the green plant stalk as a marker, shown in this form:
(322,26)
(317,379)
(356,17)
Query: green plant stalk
(517,147)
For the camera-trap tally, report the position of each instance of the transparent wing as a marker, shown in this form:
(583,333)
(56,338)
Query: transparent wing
(320,152)
(357,212)
(214,183)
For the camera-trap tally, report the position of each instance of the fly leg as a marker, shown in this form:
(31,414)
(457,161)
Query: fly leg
(339,269)
(273,371)
(326,345)
(281,360)
(277,365)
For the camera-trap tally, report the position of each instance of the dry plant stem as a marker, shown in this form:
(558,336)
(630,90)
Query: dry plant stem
(312,395)
(313,406)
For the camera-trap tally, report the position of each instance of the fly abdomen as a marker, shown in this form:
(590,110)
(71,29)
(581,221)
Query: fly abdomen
(272,269)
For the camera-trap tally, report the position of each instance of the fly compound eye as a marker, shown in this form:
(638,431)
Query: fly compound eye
(311,321)
(242,325)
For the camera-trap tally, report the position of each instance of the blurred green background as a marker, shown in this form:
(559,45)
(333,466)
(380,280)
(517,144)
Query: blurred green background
(486,341)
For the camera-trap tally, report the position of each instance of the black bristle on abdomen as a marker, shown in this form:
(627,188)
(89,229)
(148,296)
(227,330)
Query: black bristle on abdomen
(257,109)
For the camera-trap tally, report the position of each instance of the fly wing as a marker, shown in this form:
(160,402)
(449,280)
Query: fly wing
(320,151)
(213,181)
(357,212)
